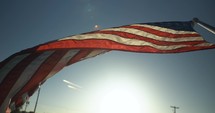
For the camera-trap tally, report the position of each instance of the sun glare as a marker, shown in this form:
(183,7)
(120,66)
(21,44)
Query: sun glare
(120,101)
(119,98)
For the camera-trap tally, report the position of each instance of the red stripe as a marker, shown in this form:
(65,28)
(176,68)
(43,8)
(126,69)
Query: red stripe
(157,42)
(188,49)
(73,44)
(30,93)
(161,33)
(81,54)
(14,75)
(88,43)
(45,68)
(99,44)
(7,60)
(126,35)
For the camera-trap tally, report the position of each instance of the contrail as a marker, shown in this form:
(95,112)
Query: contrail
(72,85)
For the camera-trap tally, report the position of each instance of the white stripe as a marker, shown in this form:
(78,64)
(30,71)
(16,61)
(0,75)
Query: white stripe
(10,65)
(27,74)
(64,60)
(204,44)
(153,36)
(95,53)
(165,29)
(126,41)
(25,97)
(12,106)
(4,105)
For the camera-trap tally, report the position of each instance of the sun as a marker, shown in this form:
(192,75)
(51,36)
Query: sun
(119,101)
(117,95)
(119,98)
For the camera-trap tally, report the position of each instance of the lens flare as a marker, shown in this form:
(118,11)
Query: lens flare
(120,101)
(117,96)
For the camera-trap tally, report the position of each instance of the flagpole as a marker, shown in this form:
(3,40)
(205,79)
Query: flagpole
(204,25)
(38,94)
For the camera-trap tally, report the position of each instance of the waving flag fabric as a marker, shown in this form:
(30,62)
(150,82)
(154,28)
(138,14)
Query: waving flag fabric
(21,73)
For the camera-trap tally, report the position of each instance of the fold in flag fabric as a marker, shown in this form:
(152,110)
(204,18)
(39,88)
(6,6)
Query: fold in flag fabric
(21,73)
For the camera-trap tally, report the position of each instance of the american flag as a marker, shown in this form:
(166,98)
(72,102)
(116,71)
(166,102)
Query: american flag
(21,73)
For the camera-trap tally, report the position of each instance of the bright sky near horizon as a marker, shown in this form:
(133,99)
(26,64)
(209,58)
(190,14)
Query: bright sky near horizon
(114,82)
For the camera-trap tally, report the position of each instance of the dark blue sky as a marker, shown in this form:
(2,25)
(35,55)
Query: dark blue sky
(185,80)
